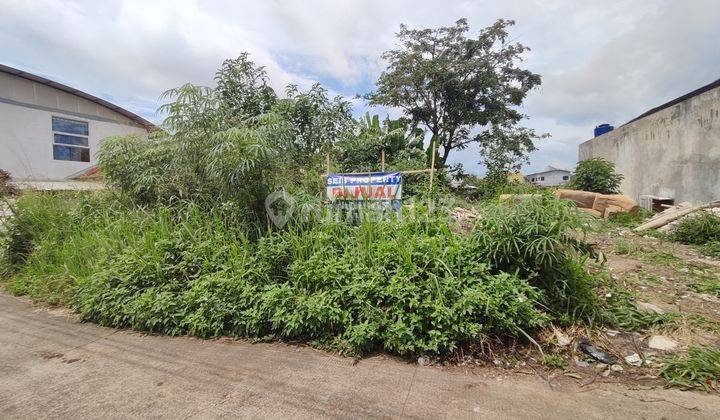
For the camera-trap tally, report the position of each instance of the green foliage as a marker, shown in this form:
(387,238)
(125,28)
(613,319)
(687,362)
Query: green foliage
(314,122)
(596,175)
(628,219)
(409,288)
(699,369)
(620,311)
(453,85)
(541,239)
(553,361)
(698,229)
(712,249)
(402,143)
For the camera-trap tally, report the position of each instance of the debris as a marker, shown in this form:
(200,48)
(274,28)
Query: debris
(674,214)
(616,368)
(634,360)
(572,375)
(596,353)
(581,363)
(423,361)
(606,373)
(612,333)
(648,307)
(660,342)
(562,339)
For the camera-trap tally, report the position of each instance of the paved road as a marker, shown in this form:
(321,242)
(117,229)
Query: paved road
(54,367)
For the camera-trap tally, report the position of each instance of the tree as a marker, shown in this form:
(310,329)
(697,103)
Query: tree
(454,85)
(315,121)
(596,175)
(242,88)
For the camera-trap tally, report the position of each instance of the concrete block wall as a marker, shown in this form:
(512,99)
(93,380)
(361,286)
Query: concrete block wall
(674,152)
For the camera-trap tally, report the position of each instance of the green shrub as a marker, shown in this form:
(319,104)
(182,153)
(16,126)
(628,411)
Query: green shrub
(541,239)
(699,369)
(411,288)
(698,229)
(357,288)
(596,175)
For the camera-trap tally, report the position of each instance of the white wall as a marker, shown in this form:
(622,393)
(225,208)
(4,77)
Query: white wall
(26,142)
(552,178)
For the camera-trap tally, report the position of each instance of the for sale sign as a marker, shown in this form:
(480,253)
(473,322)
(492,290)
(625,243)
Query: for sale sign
(373,186)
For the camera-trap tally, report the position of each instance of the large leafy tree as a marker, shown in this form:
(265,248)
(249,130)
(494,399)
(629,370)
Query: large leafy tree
(462,89)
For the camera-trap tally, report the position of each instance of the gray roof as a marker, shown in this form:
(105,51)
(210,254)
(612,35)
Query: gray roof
(548,169)
(37,79)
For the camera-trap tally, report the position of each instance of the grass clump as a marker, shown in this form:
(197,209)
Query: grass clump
(621,311)
(712,249)
(629,219)
(699,369)
(699,229)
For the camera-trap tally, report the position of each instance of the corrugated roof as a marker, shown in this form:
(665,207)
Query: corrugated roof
(676,101)
(122,111)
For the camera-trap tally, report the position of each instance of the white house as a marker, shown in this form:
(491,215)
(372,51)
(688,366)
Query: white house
(49,131)
(550,177)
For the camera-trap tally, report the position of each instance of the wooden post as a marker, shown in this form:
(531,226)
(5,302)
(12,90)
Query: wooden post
(327,164)
(432,173)
(382,161)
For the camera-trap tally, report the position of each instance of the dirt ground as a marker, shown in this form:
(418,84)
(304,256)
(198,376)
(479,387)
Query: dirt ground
(51,366)
(674,278)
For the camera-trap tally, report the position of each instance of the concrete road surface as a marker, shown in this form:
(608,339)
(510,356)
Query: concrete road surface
(51,366)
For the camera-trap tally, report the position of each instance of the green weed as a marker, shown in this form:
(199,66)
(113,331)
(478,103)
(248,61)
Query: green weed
(698,229)
(700,369)
(553,361)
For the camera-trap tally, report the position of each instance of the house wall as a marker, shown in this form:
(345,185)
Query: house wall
(26,138)
(552,178)
(674,152)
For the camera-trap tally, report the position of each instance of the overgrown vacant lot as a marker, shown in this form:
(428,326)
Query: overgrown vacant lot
(523,278)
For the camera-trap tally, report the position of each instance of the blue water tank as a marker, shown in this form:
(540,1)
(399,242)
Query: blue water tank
(602,129)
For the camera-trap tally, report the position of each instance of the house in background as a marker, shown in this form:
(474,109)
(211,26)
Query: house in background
(671,151)
(49,131)
(550,177)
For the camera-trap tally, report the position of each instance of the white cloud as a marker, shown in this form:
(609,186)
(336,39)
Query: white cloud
(601,61)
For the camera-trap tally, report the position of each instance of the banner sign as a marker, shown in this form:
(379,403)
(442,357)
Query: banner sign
(373,186)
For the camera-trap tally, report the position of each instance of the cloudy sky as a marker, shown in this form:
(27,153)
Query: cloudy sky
(601,61)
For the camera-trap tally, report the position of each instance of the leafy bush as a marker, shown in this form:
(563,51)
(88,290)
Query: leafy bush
(698,229)
(541,239)
(699,369)
(596,175)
